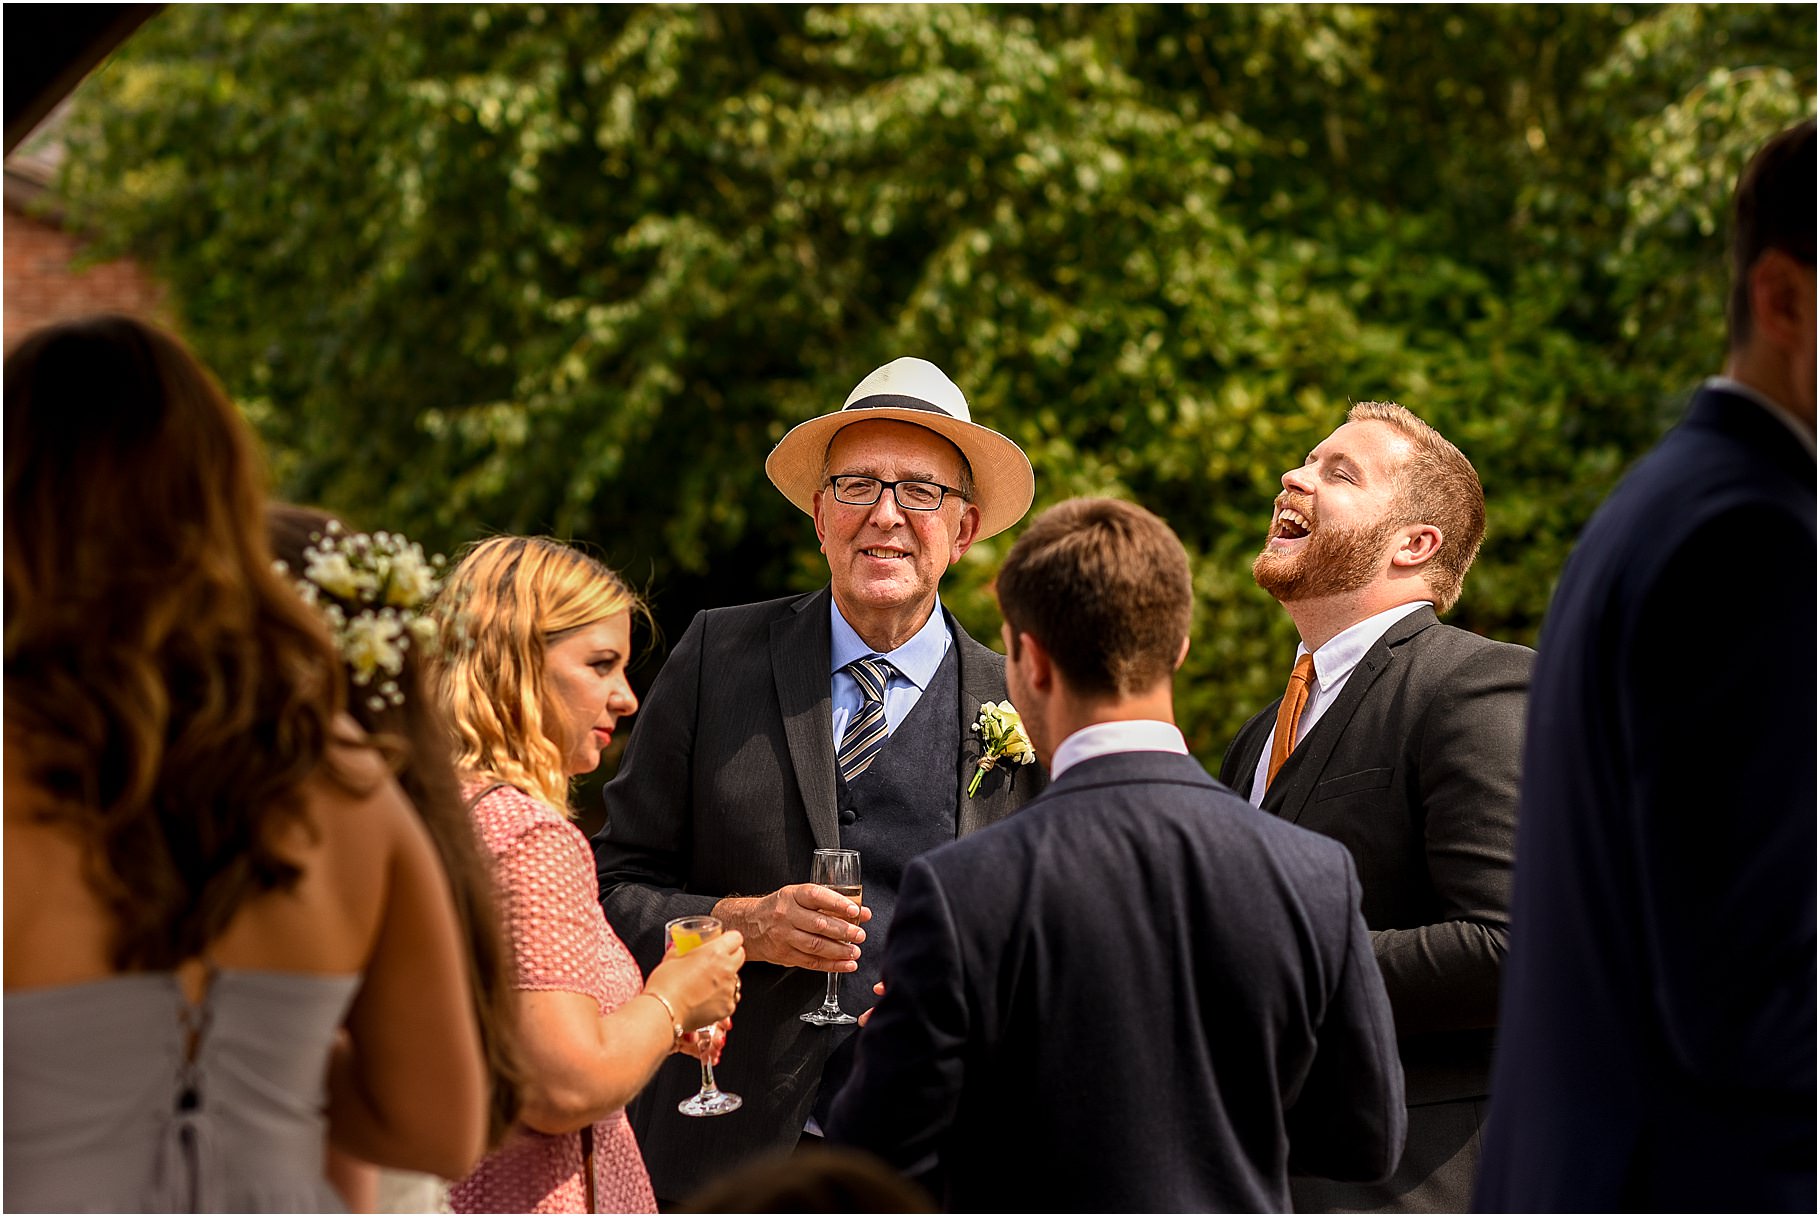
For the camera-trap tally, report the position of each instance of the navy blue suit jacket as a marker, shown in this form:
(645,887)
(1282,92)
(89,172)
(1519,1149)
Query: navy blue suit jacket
(1140,994)
(1657,1042)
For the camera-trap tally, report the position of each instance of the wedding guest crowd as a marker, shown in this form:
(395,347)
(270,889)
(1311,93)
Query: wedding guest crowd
(297,916)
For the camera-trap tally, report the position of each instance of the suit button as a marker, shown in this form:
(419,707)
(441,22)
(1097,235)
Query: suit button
(848,816)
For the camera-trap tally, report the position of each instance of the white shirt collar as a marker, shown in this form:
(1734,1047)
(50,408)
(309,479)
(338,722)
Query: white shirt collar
(1738,388)
(916,660)
(1340,654)
(1103,739)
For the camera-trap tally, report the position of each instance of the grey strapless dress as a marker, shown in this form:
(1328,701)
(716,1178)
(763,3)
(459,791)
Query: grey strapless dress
(106,1113)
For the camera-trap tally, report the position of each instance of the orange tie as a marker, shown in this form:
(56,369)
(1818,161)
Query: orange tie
(1288,715)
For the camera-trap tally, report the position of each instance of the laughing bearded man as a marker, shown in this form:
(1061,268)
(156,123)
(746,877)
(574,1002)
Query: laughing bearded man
(1399,737)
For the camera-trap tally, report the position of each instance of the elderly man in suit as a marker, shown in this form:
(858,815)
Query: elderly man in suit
(839,718)
(1139,995)
(1657,1048)
(1399,737)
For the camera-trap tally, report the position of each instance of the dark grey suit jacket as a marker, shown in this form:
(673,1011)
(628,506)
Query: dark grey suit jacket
(1414,769)
(726,788)
(1138,995)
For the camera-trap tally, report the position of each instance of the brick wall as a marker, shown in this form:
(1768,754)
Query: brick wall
(41,287)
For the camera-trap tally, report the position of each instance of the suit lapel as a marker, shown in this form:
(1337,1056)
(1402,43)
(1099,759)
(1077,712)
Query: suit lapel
(800,645)
(981,680)
(1289,795)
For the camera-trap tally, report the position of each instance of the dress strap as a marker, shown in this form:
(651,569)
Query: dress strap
(483,793)
(587,1168)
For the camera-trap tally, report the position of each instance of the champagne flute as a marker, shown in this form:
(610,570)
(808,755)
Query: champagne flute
(837,869)
(688,933)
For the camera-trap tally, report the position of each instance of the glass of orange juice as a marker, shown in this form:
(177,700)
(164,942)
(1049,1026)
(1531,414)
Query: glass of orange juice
(687,933)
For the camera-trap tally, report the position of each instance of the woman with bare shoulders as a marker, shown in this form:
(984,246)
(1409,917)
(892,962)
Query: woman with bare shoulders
(375,588)
(532,675)
(227,936)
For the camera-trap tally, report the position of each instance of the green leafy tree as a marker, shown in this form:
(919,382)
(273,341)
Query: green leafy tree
(576,269)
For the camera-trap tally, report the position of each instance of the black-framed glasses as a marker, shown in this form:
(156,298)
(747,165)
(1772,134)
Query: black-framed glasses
(910,495)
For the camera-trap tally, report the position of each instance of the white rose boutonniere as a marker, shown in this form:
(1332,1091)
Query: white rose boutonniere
(1002,732)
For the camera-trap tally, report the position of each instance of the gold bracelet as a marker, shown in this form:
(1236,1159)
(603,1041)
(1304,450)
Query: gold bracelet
(676,1027)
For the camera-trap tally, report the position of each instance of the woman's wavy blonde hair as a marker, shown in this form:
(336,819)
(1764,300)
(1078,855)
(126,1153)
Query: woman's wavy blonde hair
(506,601)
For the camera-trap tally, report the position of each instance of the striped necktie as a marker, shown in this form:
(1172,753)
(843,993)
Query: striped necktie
(867,731)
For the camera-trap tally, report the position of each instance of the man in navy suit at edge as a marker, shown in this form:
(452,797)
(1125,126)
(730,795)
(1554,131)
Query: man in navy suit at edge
(1658,1007)
(1138,994)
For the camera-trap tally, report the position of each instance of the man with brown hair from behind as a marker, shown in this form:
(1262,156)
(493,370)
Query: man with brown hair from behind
(1137,994)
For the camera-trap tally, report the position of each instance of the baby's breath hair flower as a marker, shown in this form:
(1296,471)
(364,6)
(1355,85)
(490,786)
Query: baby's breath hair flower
(373,591)
(332,572)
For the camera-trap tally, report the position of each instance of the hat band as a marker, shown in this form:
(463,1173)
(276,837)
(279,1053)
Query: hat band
(895,401)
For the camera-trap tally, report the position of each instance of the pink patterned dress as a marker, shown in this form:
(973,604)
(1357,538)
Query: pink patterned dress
(560,941)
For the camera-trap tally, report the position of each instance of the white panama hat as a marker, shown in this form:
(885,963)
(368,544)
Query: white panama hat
(911,390)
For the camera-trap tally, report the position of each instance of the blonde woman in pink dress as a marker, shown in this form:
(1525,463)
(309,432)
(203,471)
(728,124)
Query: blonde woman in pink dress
(533,676)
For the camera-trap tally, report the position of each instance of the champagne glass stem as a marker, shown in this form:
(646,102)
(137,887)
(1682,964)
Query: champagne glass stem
(707,1070)
(710,1100)
(831,1003)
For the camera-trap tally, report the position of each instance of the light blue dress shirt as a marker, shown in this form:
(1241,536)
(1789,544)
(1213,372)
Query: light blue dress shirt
(913,667)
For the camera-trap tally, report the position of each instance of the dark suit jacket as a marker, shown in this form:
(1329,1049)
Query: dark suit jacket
(1658,1028)
(1139,995)
(727,788)
(1414,769)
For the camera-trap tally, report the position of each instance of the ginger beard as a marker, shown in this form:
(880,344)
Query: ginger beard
(1323,560)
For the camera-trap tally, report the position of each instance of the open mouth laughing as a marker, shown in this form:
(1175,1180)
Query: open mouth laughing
(1289,524)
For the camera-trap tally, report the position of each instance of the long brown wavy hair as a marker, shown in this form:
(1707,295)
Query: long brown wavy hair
(416,741)
(170,693)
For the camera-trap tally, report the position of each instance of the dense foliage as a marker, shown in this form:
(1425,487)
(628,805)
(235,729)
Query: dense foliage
(575,269)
